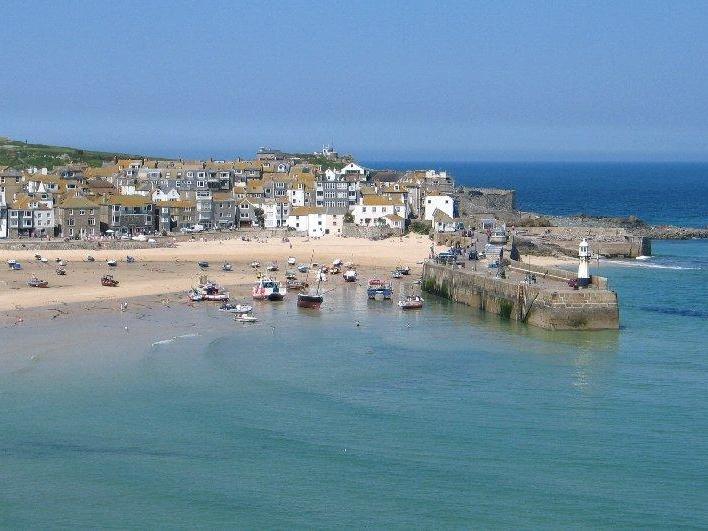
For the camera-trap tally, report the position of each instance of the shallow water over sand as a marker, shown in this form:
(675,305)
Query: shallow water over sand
(444,417)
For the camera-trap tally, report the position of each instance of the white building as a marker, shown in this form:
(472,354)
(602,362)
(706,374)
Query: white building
(444,203)
(316,222)
(275,212)
(374,210)
(172,195)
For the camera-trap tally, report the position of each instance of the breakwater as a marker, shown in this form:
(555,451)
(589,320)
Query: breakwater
(549,303)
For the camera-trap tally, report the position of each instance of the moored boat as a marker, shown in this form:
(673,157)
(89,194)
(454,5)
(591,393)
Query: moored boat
(379,290)
(112,263)
(309,300)
(227,267)
(245,318)
(291,261)
(268,289)
(236,308)
(411,303)
(295,285)
(350,275)
(61,271)
(203,264)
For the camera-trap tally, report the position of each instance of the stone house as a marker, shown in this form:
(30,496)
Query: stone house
(78,217)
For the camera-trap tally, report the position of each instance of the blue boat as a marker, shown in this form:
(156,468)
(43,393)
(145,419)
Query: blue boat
(379,290)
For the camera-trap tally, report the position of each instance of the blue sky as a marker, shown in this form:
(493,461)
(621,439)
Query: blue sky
(384,80)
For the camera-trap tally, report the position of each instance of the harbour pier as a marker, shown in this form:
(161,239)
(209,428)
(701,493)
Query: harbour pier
(547,301)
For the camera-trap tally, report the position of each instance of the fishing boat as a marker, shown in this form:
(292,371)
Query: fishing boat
(62,263)
(273,266)
(313,298)
(245,318)
(203,264)
(396,274)
(236,308)
(112,263)
(379,290)
(227,267)
(255,265)
(337,263)
(61,271)
(292,261)
(403,270)
(412,302)
(129,259)
(211,291)
(108,281)
(34,282)
(303,268)
(290,274)
(268,289)
(350,275)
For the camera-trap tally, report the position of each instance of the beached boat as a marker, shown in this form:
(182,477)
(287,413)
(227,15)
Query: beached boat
(303,268)
(272,267)
(334,270)
(108,281)
(62,263)
(396,274)
(295,285)
(236,308)
(290,274)
(195,295)
(379,290)
(403,270)
(90,258)
(337,263)
(411,303)
(203,264)
(112,263)
(268,289)
(34,282)
(61,271)
(350,275)
(44,260)
(245,318)
(255,264)
(38,256)
(227,267)
(292,261)
(211,291)
(129,259)
(309,300)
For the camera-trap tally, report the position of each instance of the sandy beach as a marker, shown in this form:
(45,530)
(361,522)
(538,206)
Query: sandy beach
(160,273)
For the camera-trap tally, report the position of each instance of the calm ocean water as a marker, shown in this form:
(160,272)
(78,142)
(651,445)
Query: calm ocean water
(443,418)
(659,193)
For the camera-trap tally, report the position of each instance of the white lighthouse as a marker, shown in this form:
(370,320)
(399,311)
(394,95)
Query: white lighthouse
(584,266)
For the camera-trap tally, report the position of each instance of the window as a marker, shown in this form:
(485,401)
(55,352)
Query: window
(92,221)
(190,174)
(71,222)
(71,232)
(201,174)
(71,211)
(178,184)
(201,184)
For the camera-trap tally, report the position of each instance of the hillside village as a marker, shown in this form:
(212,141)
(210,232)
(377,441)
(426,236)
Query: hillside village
(317,195)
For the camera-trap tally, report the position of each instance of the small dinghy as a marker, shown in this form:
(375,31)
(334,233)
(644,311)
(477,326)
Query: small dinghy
(337,263)
(350,275)
(61,271)
(396,274)
(244,318)
(90,258)
(303,268)
(227,267)
(38,256)
(129,259)
(236,308)
(291,261)
(34,282)
(203,264)
(411,303)
(255,265)
(112,263)
(195,296)
(43,260)
(62,263)
(272,267)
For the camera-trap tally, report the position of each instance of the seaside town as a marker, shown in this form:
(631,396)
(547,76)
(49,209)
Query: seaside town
(470,245)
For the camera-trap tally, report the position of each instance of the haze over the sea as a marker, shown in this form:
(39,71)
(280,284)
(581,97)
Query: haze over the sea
(386,81)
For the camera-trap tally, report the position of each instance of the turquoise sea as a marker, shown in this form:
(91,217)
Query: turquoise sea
(445,418)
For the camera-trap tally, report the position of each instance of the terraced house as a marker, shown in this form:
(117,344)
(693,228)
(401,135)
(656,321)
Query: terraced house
(78,217)
(127,214)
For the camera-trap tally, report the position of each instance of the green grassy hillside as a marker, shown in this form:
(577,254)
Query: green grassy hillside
(18,154)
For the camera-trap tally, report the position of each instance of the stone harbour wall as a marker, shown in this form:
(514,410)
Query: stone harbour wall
(562,309)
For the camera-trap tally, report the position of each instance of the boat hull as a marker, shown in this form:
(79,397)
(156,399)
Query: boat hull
(276,296)
(309,301)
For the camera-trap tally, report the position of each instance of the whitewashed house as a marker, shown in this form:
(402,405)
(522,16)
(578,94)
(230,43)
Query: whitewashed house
(444,203)
(171,195)
(316,221)
(373,210)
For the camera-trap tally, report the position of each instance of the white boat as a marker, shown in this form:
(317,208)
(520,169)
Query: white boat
(291,260)
(227,267)
(43,260)
(272,267)
(411,303)
(112,263)
(255,264)
(350,275)
(337,263)
(244,318)
(236,308)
